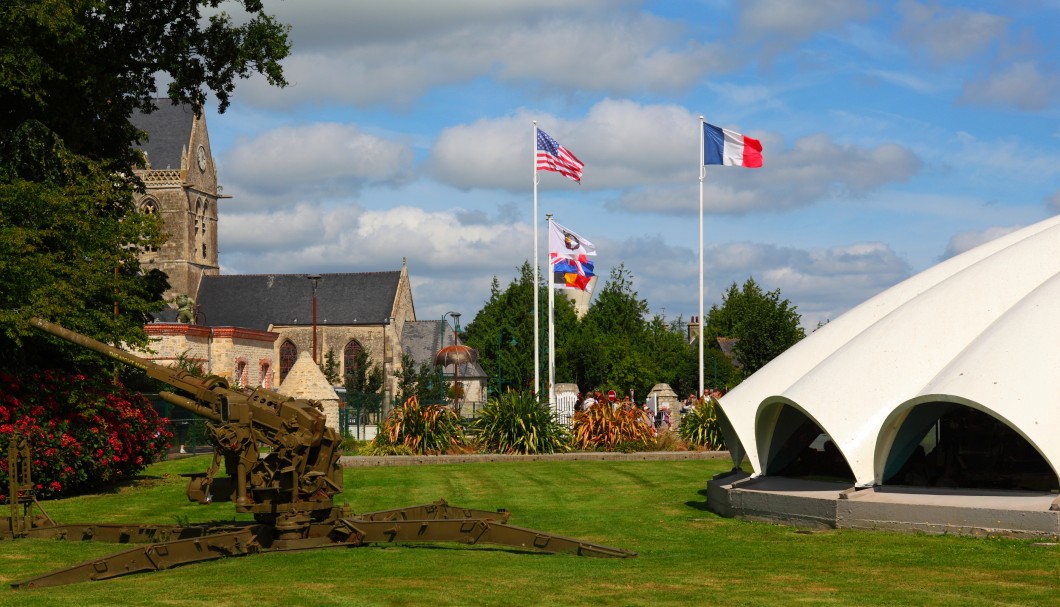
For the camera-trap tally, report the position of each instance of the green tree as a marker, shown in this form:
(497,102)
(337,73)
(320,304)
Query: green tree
(406,379)
(431,387)
(611,349)
(503,333)
(74,71)
(763,324)
(330,367)
(364,383)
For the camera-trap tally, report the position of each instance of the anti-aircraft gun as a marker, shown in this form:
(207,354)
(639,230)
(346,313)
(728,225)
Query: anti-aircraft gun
(282,465)
(280,457)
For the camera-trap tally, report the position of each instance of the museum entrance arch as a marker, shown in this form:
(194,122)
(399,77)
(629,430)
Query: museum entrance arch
(948,444)
(797,447)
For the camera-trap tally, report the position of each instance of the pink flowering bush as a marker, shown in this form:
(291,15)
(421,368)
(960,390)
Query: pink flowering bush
(84,432)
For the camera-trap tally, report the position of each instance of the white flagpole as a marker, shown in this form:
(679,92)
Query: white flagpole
(537,305)
(551,326)
(702,321)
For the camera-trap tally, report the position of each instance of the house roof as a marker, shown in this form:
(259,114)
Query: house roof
(169,132)
(980,329)
(258,301)
(421,339)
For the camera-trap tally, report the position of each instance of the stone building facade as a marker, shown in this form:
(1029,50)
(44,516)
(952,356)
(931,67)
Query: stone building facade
(242,356)
(181,187)
(354,311)
(252,329)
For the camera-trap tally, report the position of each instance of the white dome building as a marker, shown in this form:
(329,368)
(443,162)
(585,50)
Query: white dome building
(950,379)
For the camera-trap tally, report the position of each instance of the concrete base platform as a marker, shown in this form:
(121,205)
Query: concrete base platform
(939,510)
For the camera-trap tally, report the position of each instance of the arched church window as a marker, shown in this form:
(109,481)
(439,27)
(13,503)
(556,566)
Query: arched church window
(197,243)
(288,355)
(349,357)
(149,206)
(265,373)
(203,223)
(241,375)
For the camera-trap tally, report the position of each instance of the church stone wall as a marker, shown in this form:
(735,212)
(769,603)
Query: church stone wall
(220,350)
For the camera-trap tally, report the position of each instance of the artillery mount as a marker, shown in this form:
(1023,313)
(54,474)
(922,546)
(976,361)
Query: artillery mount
(282,466)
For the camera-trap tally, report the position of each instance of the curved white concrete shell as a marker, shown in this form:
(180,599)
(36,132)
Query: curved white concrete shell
(981,330)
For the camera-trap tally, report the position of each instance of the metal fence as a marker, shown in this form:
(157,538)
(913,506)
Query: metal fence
(565,406)
(188,429)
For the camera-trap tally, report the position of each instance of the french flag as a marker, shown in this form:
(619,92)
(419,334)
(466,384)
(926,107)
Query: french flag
(729,148)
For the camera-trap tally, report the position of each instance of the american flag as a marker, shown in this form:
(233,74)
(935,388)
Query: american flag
(551,156)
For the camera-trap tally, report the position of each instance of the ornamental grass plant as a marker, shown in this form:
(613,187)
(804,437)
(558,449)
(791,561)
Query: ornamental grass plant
(430,430)
(603,427)
(700,427)
(519,423)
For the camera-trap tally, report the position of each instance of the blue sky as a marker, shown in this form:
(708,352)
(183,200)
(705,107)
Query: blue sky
(895,134)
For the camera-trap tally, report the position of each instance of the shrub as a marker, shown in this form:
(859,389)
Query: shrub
(432,429)
(84,433)
(518,423)
(700,426)
(375,449)
(606,428)
(669,440)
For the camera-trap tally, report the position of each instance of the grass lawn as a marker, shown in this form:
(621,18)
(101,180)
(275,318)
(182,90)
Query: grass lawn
(688,555)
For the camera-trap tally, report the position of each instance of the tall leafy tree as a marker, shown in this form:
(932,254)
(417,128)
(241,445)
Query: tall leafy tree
(503,333)
(612,352)
(764,324)
(73,72)
(364,384)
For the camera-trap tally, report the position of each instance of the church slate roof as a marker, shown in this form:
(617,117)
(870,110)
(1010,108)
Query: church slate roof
(257,301)
(169,130)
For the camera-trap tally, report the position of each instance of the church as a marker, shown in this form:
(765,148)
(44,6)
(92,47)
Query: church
(252,329)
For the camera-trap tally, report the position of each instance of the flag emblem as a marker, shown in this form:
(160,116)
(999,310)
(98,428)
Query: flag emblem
(729,148)
(551,156)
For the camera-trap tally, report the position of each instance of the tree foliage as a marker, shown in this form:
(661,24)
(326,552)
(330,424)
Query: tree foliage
(618,346)
(763,324)
(73,72)
(503,331)
(364,383)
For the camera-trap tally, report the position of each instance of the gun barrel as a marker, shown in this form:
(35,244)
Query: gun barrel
(200,389)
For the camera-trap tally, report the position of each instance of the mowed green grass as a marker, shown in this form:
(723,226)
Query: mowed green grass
(687,555)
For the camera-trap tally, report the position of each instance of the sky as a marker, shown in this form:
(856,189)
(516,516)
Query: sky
(895,135)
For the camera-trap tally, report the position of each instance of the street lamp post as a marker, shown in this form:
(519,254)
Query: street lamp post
(457,390)
(386,322)
(314,278)
(441,344)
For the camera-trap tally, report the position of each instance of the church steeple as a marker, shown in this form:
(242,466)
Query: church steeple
(181,187)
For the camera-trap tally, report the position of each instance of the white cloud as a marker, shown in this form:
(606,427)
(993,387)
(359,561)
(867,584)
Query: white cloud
(784,23)
(1021,85)
(349,238)
(814,169)
(949,34)
(1052,202)
(966,241)
(630,145)
(822,283)
(395,53)
(321,157)
(1008,156)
